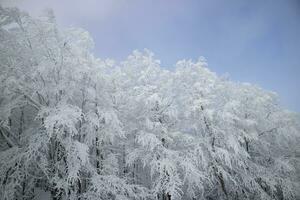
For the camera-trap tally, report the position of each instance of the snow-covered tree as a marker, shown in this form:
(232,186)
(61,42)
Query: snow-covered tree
(73,126)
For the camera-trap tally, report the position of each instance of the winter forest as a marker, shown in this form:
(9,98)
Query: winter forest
(76,127)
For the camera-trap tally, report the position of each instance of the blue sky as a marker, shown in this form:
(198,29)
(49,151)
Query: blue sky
(254,41)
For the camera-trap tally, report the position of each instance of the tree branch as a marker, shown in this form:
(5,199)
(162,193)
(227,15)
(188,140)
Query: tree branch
(8,140)
(267,131)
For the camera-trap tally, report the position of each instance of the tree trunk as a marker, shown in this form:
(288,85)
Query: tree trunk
(21,123)
(97,156)
(168,196)
(221,180)
(124,161)
(247,144)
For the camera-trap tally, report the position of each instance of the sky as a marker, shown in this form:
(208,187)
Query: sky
(252,41)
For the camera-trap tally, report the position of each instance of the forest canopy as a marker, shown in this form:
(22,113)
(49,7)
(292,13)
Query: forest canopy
(73,126)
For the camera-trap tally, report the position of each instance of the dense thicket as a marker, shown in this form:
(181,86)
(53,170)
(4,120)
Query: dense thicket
(76,127)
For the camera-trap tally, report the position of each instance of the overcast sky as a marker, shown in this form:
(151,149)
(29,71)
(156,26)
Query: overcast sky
(254,41)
